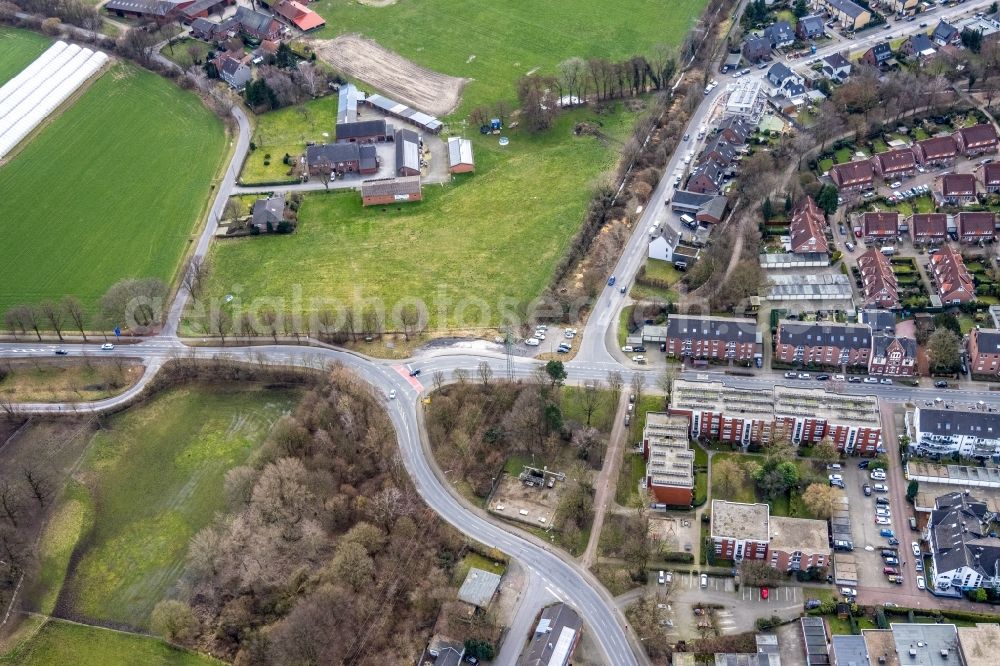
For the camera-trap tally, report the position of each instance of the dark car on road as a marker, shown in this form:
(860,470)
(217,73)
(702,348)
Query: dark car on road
(941,384)
(867,489)
(863,464)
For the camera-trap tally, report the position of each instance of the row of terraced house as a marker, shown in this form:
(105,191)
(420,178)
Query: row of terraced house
(938,151)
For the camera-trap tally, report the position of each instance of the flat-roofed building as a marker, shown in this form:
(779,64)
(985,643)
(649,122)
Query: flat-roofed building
(798,544)
(669,458)
(980,644)
(740,531)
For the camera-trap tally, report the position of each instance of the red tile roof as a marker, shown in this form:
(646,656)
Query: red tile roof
(954,281)
(934,225)
(878,279)
(851,173)
(896,160)
(807,228)
(957,184)
(938,147)
(978,136)
(976,223)
(991,174)
(880,224)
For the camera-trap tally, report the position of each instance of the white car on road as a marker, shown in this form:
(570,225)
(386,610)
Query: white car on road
(916,549)
(531,342)
(920,583)
(878,474)
(880,488)
(392,394)
(882,520)
(107,346)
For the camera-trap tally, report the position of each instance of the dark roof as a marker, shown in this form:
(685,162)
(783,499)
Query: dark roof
(938,146)
(407,150)
(944,32)
(882,341)
(757,45)
(557,625)
(722,148)
(364,128)
(405,185)
(958,184)
(879,320)
(254,21)
(332,153)
(928,224)
(716,207)
(893,160)
(779,32)
(837,61)
(921,42)
(988,340)
(983,134)
(852,172)
(849,650)
(368,156)
(710,170)
(779,72)
(691,199)
(711,328)
(991,173)
(976,222)
(882,51)
(880,224)
(199,6)
(268,210)
(958,528)
(812,25)
(844,336)
(150,7)
(847,7)
(950,422)
(738,125)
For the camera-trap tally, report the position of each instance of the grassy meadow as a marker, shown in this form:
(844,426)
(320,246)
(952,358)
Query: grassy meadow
(56,643)
(17,49)
(148,482)
(495,235)
(112,188)
(494,44)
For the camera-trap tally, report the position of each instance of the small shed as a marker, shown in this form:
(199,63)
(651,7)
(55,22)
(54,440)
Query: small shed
(479,587)
(460,158)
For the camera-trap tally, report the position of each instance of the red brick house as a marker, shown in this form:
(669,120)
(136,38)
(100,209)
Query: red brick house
(954,283)
(858,175)
(364,131)
(798,544)
(740,531)
(976,226)
(892,356)
(895,164)
(880,227)
(928,228)
(807,228)
(715,338)
(390,190)
(827,345)
(977,140)
(879,282)
(669,458)
(706,179)
(989,176)
(936,151)
(955,189)
(984,351)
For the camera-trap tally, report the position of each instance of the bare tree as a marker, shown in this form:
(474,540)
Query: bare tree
(638,383)
(438,379)
(39,483)
(461,375)
(53,314)
(666,383)
(222,324)
(269,318)
(615,382)
(14,319)
(485,373)
(194,276)
(10,501)
(592,398)
(74,309)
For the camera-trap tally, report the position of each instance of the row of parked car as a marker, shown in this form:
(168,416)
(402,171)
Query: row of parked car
(853,379)
(903,195)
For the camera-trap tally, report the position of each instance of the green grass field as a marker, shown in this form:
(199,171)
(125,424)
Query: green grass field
(495,235)
(58,643)
(154,477)
(287,131)
(512,38)
(179,53)
(17,49)
(112,188)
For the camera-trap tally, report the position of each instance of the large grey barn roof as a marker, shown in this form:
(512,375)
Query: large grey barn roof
(712,328)
(825,335)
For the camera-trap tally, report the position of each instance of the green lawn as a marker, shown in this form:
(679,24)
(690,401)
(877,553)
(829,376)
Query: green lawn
(155,477)
(58,643)
(481,244)
(17,49)
(511,38)
(180,51)
(825,164)
(844,155)
(113,188)
(287,131)
(574,408)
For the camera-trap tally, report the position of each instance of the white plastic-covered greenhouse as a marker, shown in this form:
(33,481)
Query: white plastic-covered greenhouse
(28,98)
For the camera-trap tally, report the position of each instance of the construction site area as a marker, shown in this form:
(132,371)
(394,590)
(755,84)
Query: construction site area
(531,497)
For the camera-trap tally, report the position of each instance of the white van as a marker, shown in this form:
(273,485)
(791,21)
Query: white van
(688,221)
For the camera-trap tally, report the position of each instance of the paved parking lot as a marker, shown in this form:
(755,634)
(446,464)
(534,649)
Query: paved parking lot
(864,530)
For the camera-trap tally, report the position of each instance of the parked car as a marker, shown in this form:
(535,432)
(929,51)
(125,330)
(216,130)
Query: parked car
(790,375)
(878,474)
(854,380)
(532,342)
(880,488)
(813,603)
(836,478)
(890,571)
(916,548)
(838,378)
(704,580)
(921,585)
(822,378)
(883,501)
(941,384)
(885,380)
(892,561)
(918,565)
(804,375)
(611,281)
(864,464)
(882,520)
(871,380)
(628,349)
(893,541)
(849,591)
(886,533)
(763,593)
(867,489)
(662,578)
(883,512)
(639,348)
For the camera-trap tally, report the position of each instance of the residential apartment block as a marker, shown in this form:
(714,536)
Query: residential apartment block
(807,228)
(984,351)
(938,431)
(826,344)
(952,278)
(748,532)
(965,556)
(801,415)
(714,338)
(881,289)
(669,458)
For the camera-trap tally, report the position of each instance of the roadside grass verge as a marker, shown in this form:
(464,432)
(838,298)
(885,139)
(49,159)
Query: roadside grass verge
(154,475)
(59,642)
(112,188)
(470,250)
(45,381)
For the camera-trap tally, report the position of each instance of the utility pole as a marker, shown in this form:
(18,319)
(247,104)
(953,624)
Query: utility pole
(508,344)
